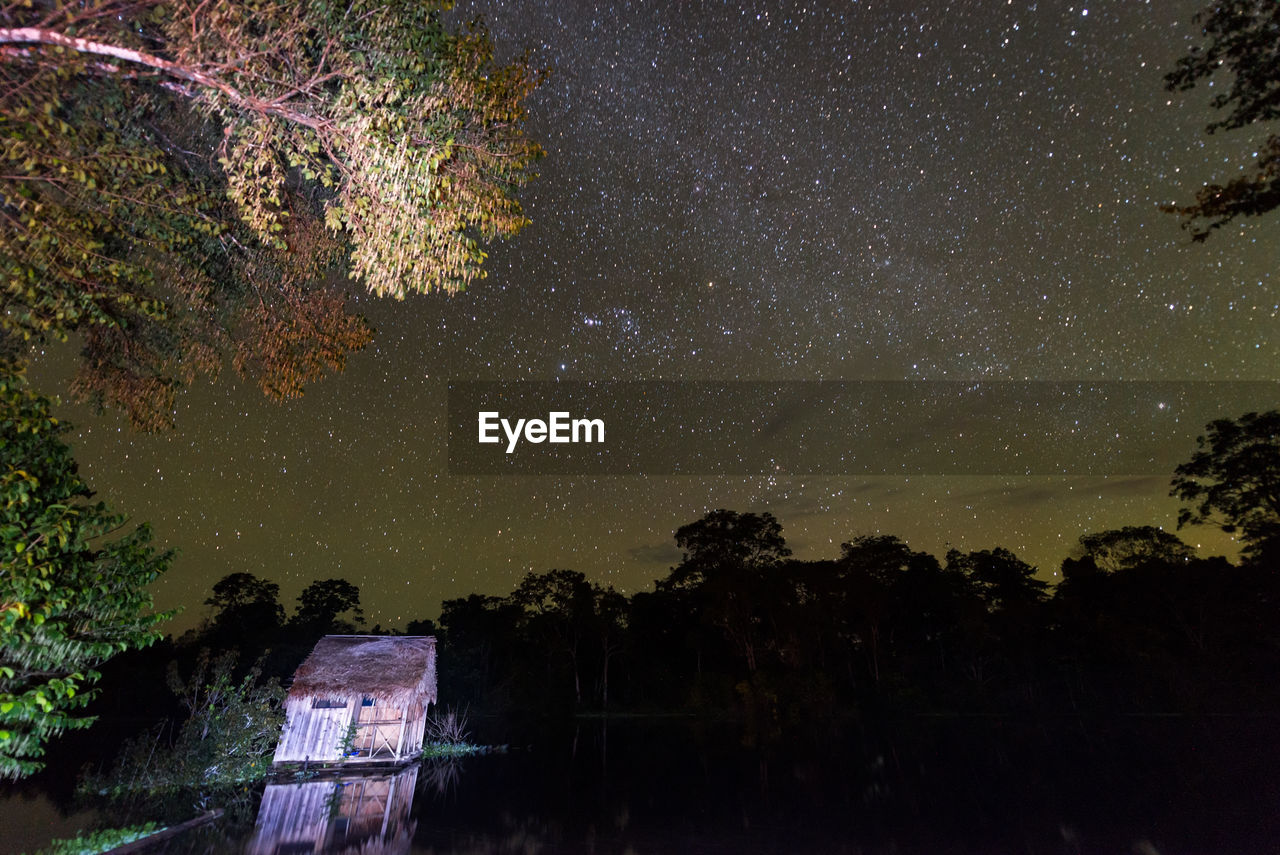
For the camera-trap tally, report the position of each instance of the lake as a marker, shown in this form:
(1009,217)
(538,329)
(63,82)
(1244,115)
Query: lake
(914,785)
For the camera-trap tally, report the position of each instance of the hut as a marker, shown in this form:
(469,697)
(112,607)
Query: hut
(359,699)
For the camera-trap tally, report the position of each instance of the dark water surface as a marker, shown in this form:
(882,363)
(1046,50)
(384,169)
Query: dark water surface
(920,785)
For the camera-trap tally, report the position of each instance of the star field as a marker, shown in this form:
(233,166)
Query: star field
(817,191)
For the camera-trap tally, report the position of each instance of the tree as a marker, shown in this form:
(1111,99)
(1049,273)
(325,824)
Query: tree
(178,175)
(560,609)
(882,557)
(1001,579)
(1120,549)
(729,558)
(232,728)
(244,592)
(248,612)
(894,598)
(1233,481)
(1243,37)
(321,605)
(481,641)
(70,596)
(611,622)
(726,540)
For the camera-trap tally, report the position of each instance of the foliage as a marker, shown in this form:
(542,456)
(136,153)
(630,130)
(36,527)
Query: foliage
(1243,38)
(70,597)
(322,603)
(1119,549)
(228,737)
(728,565)
(237,591)
(179,176)
(1001,579)
(740,628)
(247,608)
(724,541)
(559,608)
(347,744)
(882,627)
(1233,480)
(103,840)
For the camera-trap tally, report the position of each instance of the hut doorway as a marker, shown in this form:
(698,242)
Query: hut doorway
(379,730)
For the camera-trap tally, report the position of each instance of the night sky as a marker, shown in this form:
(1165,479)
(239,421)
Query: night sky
(881,190)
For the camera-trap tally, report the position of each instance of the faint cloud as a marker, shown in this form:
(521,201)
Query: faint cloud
(665,554)
(1120,486)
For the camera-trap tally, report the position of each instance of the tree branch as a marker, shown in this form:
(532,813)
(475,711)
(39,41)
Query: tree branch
(35,35)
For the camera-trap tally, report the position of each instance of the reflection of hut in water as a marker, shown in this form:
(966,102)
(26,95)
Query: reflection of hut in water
(359,699)
(355,815)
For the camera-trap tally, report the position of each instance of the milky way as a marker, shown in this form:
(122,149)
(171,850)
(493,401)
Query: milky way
(830,191)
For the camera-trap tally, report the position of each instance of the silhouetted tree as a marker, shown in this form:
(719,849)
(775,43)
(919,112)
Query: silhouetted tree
(729,560)
(423,626)
(560,608)
(871,568)
(322,604)
(1233,481)
(1001,642)
(1242,38)
(248,611)
(1000,578)
(1124,548)
(611,626)
(723,541)
(482,647)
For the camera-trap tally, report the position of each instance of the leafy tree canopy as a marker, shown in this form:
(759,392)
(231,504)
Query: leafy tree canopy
(178,176)
(726,543)
(556,593)
(1000,577)
(321,604)
(238,590)
(70,597)
(1241,37)
(1233,481)
(1121,549)
(883,557)
(246,607)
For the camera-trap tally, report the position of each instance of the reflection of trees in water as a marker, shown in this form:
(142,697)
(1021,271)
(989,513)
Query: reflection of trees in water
(442,774)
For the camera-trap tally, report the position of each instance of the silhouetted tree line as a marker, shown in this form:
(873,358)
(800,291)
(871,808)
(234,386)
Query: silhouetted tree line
(739,626)
(1138,623)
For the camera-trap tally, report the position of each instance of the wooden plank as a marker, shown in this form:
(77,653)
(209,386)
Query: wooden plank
(400,738)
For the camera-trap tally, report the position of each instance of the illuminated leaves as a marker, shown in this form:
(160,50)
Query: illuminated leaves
(168,180)
(69,599)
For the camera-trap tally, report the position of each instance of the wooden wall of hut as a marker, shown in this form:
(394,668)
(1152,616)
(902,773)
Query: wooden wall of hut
(314,733)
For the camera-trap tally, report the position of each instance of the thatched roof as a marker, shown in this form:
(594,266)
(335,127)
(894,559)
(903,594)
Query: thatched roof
(395,670)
